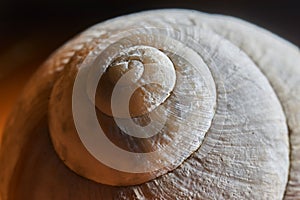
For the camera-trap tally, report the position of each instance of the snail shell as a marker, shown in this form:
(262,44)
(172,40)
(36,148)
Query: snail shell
(166,104)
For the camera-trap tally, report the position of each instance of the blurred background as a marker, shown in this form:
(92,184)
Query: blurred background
(32,29)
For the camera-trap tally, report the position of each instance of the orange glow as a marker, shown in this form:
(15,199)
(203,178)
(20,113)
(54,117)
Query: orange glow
(10,89)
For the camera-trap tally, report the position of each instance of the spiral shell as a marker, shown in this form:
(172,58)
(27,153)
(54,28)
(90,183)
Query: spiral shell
(166,104)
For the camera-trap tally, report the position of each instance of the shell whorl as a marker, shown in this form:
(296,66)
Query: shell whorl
(212,101)
(176,88)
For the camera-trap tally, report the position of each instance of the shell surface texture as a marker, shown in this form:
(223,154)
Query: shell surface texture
(163,104)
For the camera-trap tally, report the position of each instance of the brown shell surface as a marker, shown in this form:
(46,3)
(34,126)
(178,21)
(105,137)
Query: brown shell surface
(250,151)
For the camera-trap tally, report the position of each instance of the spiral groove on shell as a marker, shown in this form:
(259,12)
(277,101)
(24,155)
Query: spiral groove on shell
(172,104)
(172,134)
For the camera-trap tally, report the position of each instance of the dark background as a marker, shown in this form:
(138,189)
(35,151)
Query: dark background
(57,20)
(38,26)
(31,29)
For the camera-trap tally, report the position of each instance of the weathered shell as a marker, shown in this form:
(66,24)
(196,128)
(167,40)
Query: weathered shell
(246,147)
